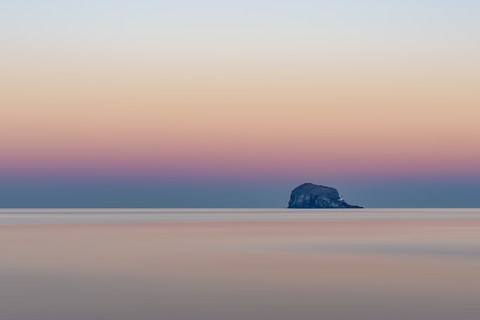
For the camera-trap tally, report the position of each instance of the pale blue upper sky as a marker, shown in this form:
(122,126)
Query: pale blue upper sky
(314,25)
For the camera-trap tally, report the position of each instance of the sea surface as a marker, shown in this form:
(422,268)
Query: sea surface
(237,264)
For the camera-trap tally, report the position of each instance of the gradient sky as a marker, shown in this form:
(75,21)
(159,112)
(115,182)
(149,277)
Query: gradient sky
(139,103)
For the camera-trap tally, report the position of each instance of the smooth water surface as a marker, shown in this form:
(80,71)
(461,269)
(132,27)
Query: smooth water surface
(125,264)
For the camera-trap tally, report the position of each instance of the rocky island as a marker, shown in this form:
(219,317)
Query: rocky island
(309,195)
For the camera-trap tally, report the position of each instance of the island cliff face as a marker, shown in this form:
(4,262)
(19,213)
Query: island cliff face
(309,195)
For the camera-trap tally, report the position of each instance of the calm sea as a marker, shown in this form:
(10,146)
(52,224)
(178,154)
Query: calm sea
(236,264)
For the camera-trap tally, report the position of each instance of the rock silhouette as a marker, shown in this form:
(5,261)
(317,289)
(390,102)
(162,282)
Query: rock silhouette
(309,195)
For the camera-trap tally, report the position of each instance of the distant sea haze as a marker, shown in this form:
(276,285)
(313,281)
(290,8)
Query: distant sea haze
(103,192)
